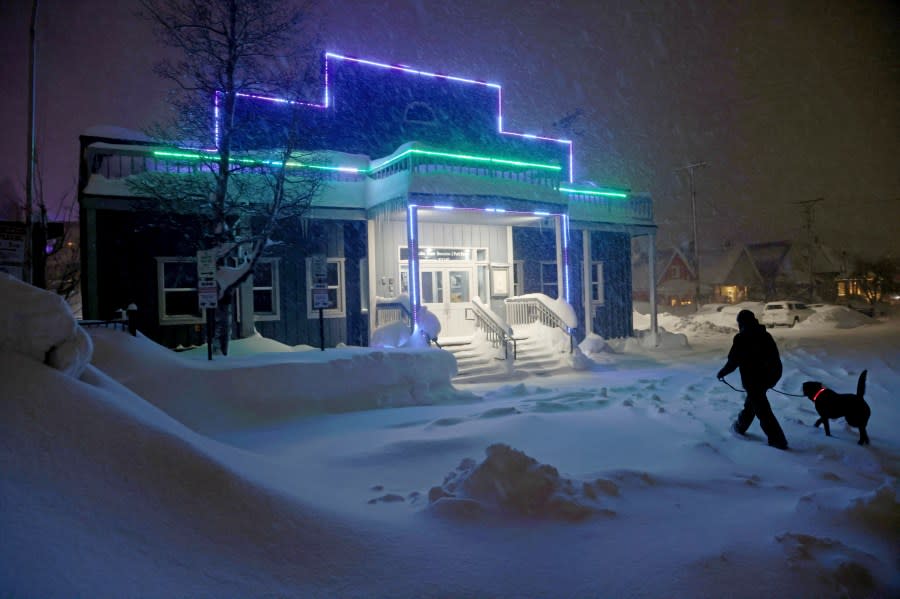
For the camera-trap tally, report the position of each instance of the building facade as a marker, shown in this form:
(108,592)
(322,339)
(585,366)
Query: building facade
(428,201)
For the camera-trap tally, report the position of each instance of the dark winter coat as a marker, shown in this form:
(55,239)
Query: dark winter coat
(755,353)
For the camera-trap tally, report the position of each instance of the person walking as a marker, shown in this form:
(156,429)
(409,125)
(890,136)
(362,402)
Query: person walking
(755,353)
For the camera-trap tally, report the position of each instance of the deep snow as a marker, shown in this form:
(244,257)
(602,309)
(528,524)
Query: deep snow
(291,472)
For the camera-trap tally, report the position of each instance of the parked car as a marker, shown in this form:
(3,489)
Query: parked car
(785,313)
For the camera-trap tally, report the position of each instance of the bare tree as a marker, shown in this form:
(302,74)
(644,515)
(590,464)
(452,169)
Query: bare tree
(876,279)
(243,175)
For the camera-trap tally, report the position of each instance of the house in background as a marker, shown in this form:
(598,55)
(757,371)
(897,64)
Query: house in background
(676,281)
(798,270)
(426,195)
(730,276)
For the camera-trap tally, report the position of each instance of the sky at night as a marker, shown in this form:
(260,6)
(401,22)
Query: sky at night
(787,102)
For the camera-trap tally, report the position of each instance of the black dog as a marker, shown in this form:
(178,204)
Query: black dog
(832,405)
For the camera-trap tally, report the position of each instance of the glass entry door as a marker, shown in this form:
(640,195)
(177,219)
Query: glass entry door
(447,292)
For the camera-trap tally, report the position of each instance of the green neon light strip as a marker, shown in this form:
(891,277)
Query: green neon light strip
(252,161)
(488,159)
(591,192)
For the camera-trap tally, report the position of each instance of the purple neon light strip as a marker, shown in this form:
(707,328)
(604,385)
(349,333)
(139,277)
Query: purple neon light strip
(405,69)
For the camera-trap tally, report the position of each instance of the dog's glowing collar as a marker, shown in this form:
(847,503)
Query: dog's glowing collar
(818,393)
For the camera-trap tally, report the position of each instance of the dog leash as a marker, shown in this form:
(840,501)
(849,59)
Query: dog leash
(773,389)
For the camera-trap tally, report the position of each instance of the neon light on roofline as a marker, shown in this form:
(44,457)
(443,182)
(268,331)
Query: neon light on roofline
(475,158)
(350,169)
(406,69)
(257,162)
(591,192)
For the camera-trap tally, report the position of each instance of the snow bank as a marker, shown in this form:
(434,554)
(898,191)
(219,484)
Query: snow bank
(225,394)
(838,317)
(40,324)
(510,483)
(87,464)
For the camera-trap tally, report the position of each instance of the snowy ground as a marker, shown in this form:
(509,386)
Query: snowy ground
(358,473)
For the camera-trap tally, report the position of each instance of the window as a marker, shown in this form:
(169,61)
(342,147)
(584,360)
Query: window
(518,278)
(176,279)
(334,281)
(676,271)
(549,285)
(266,305)
(597,296)
(364,285)
(419,113)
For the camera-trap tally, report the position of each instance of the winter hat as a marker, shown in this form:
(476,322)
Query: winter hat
(745,318)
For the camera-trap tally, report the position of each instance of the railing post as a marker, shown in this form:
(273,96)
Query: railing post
(131,311)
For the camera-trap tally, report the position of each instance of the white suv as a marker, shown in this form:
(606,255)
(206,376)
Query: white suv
(785,312)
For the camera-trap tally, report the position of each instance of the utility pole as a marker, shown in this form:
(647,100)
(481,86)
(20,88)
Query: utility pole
(690,170)
(808,206)
(28,267)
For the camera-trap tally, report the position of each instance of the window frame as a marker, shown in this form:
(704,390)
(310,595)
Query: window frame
(161,290)
(275,290)
(598,284)
(554,282)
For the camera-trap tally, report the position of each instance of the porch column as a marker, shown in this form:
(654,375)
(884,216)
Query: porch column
(586,283)
(561,229)
(560,258)
(372,261)
(412,242)
(654,328)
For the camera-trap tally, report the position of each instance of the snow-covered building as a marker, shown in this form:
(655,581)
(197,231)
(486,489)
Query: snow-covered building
(428,195)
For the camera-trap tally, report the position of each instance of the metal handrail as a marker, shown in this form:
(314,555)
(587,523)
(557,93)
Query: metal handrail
(530,310)
(496,332)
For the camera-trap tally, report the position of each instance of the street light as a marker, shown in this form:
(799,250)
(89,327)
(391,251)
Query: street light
(690,169)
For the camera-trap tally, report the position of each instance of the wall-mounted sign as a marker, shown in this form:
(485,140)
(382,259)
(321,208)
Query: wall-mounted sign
(440,254)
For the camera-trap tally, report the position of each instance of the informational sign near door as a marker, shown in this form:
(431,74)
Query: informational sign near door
(207,291)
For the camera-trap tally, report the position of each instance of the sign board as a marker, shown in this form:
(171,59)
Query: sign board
(207,293)
(206,264)
(439,254)
(320,299)
(319,264)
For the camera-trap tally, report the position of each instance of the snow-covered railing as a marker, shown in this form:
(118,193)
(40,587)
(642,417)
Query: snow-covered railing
(392,311)
(538,308)
(634,208)
(497,332)
(433,164)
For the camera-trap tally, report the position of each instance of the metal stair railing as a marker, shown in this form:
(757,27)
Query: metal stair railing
(533,309)
(496,331)
(388,312)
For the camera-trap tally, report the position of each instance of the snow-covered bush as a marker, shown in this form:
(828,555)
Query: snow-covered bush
(40,324)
